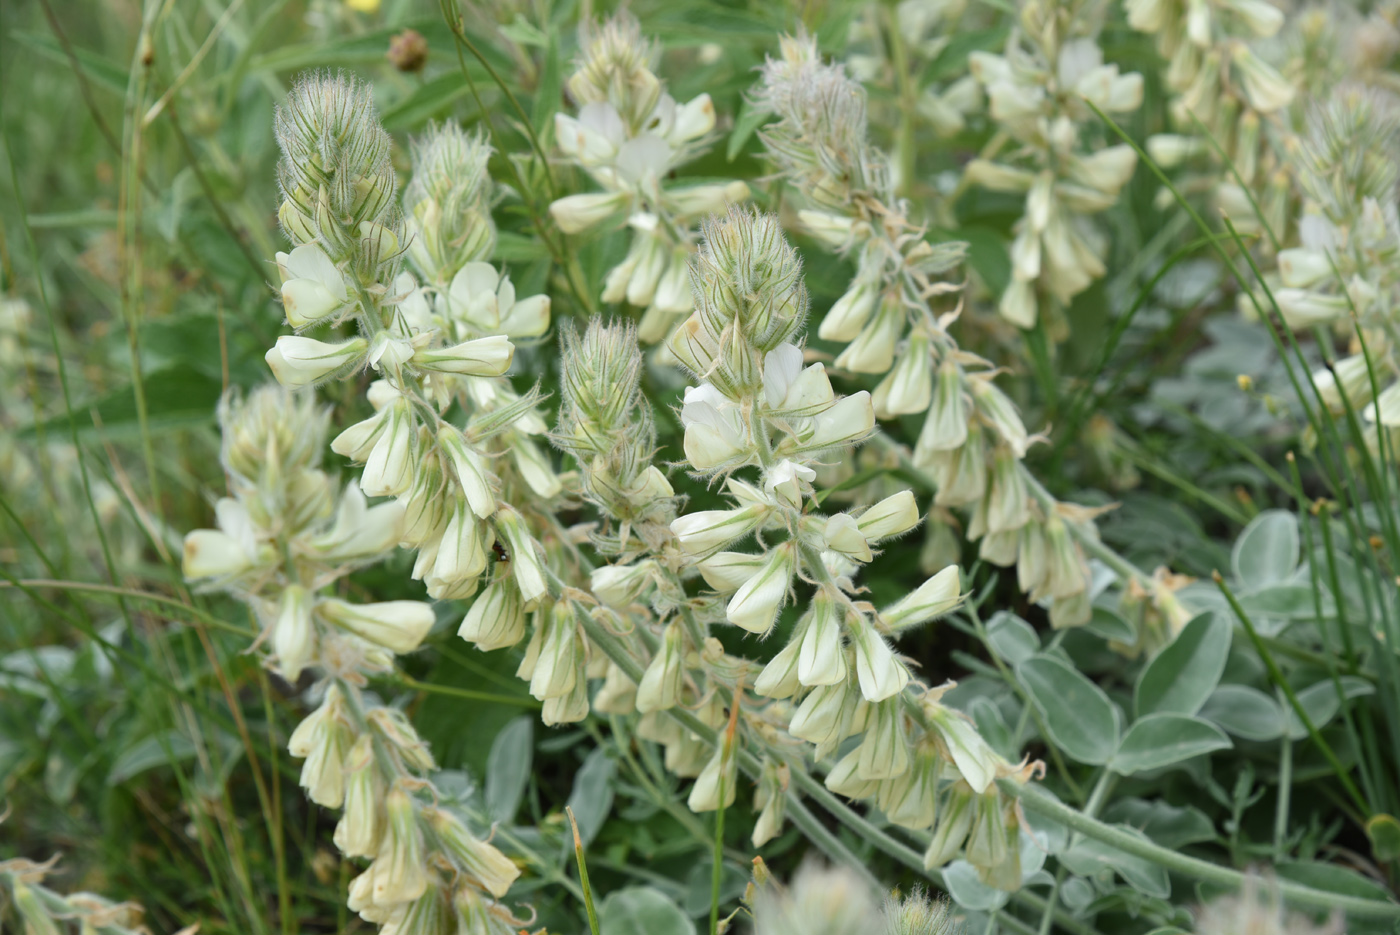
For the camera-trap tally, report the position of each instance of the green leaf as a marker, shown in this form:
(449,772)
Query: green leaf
(986,252)
(1384,832)
(1245,712)
(592,795)
(549,94)
(427,101)
(1321,703)
(1289,601)
(1092,858)
(968,891)
(99,70)
(176,397)
(749,120)
(1080,719)
(1267,551)
(508,768)
(642,910)
(1159,740)
(370,47)
(700,879)
(1111,625)
(153,750)
(1182,676)
(517,248)
(1331,878)
(1168,825)
(1012,638)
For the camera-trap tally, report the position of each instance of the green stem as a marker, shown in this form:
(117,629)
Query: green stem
(1276,675)
(583,873)
(1285,789)
(1037,800)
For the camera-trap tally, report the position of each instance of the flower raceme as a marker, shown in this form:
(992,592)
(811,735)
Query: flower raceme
(452,450)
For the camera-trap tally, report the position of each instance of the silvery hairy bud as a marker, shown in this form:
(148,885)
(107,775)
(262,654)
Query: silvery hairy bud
(615,67)
(819,139)
(747,278)
(338,187)
(448,199)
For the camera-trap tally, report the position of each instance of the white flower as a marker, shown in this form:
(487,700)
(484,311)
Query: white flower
(469,469)
(843,536)
(727,571)
(845,423)
(293,633)
(298,361)
(312,287)
(487,867)
(881,674)
(389,469)
(461,552)
(714,431)
(974,758)
(398,873)
(1266,89)
(1301,268)
(709,530)
(784,479)
(821,659)
(525,564)
(484,357)
(593,138)
(660,687)
(873,349)
(722,770)
(228,550)
(485,301)
(496,618)
(934,597)
(755,605)
(909,386)
(850,313)
(576,213)
(398,626)
(892,516)
(358,832)
(619,585)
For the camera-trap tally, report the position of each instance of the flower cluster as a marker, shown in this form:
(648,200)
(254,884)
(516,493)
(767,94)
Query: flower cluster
(444,344)
(1039,92)
(1344,272)
(1222,83)
(973,440)
(835,901)
(630,136)
(42,911)
(837,685)
(917,33)
(285,537)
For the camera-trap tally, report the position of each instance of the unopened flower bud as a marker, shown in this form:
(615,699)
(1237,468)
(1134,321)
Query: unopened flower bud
(298,361)
(932,599)
(398,626)
(661,684)
(755,605)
